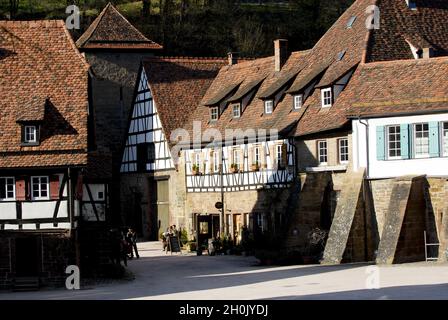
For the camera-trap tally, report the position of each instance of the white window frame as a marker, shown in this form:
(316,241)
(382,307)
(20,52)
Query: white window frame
(236,158)
(32,134)
(419,156)
(197,159)
(340,149)
(40,197)
(269,106)
(257,155)
(7,198)
(320,154)
(298,101)
(236,107)
(445,139)
(278,154)
(325,97)
(214,113)
(388,156)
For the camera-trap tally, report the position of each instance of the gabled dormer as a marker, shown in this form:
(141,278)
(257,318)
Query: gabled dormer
(30,118)
(304,84)
(274,93)
(244,96)
(218,101)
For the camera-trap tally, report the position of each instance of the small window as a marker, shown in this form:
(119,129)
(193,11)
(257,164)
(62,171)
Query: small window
(30,135)
(214,112)
(39,188)
(343,150)
(278,155)
(236,110)
(393,142)
(322,152)
(259,221)
(7,189)
(268,106)
(351,21)
(236,158)
(298,100)
(445,138)
(100,195)
(327,97)
(421,140)
(257,155)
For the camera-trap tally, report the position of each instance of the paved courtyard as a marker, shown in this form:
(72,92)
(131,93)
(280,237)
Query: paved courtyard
(161,277)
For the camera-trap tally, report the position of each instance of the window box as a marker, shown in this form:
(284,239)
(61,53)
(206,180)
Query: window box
(234,168)
(195,170)
(255,167)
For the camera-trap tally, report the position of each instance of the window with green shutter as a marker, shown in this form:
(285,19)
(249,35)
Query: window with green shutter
(434,139)
(380,143)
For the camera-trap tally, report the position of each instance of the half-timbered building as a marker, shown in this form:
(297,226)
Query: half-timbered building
(44,149)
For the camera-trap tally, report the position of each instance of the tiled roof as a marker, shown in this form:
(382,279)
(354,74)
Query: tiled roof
(428,23)
(177,86)
(406,86)
(111,30)
(43,77)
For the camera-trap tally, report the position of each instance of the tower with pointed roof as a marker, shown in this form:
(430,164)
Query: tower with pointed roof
(114,49)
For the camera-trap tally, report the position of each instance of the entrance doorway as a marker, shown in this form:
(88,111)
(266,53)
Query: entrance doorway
(27,257)
(159,208)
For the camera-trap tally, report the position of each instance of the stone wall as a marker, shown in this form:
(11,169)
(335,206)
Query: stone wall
(437,207)
(55,252)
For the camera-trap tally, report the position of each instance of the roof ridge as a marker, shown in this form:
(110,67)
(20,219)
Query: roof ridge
(406,61)
(33,23)
(185,58)
(91,29)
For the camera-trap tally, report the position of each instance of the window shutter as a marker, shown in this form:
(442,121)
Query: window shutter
(20,189)
(404,134)
(284,155)
(434,139)
(272,156)
(263,155)
(38,134)
(54,187)
(380,143)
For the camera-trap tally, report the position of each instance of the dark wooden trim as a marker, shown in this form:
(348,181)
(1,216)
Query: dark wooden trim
(92,202)
(61,193)
(34,221)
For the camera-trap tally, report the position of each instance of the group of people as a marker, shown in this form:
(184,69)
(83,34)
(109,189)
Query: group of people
(124,243)
(171,231)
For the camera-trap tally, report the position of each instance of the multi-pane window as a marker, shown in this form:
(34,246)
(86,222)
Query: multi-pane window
(259,220)
(421,140)
(236,158)
(236,110)
(216,157)
(298,100)
(257,155)
(214,111)
(268,106)
(327,97)
(445,138)
(343,150)
(7,189)
(39,188)
(393,142)
(279,154)
(322,152)
(30,134)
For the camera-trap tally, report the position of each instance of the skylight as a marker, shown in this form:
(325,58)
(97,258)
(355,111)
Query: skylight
(351,21)
(341,55)
(411,4)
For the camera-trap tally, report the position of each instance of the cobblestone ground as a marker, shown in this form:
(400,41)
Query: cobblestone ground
(160,276)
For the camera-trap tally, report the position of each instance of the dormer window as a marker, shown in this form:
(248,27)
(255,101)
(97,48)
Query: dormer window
(30,134)
(327,97)
(298,101)
(236,108)
(214,113)
(411,4)
(268,106)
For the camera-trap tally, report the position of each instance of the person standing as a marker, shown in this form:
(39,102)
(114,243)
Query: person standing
(132,240)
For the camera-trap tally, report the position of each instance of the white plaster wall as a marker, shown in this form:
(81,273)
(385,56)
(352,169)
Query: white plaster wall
(7,210)
(39,210)
(394,168)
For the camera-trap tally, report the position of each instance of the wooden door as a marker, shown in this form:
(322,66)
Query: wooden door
(163,205)
(27,257)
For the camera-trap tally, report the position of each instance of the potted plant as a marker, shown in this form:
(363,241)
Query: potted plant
(195,170)
(255,167)
(234,168)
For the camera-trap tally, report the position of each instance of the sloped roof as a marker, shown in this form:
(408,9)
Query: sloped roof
(178,85)
(402,86)
(428,23)
(221,94)
(43,77)
(245,89)
(111,30)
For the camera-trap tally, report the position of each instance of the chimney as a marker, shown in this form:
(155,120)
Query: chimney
(281,53)
(233,58)
(428,53)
